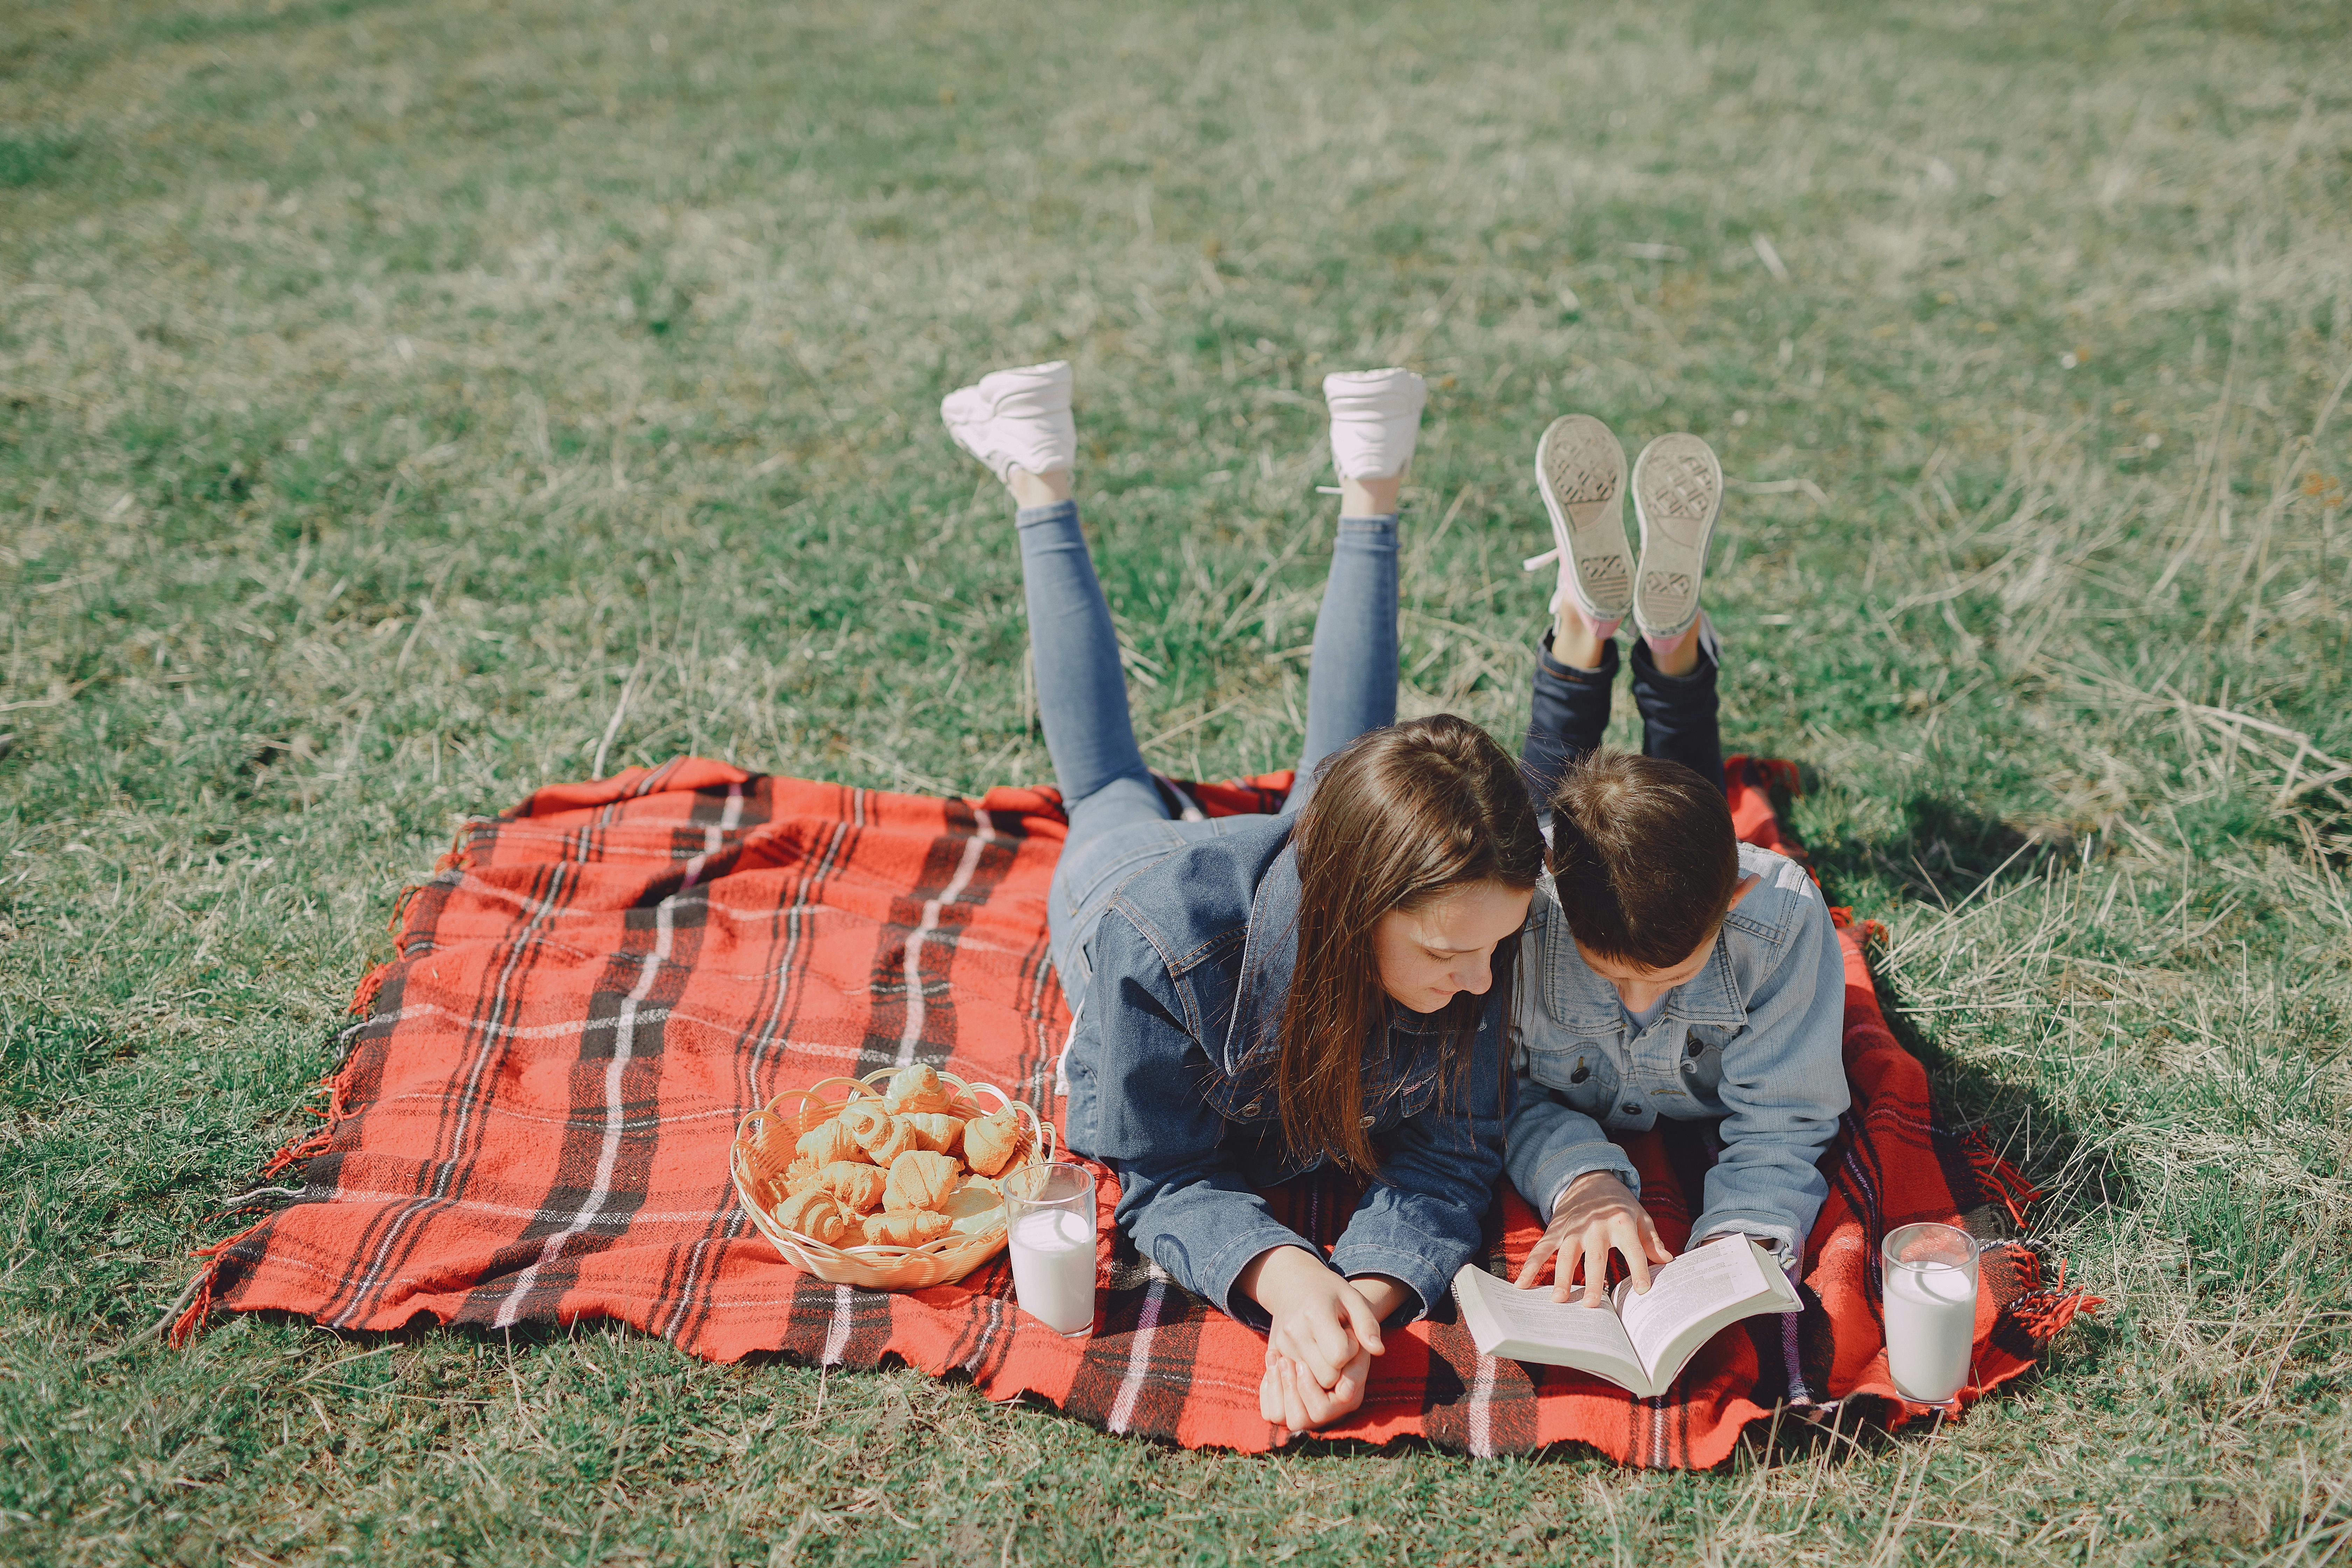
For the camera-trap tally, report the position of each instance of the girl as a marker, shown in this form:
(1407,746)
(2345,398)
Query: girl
(1257,996)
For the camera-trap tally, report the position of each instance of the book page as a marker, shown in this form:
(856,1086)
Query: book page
(1682,1294)
(1534,1315)
(1529,1325)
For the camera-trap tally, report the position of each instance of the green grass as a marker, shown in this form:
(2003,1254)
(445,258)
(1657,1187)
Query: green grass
(382,384)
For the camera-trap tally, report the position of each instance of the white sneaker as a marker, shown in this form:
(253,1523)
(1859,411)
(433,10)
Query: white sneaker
(1677,494)
(1580,470)
(1375,420)
(1016,419)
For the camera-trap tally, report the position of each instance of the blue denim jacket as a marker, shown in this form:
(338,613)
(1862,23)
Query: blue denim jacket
(1755,1039)
(1171,1072)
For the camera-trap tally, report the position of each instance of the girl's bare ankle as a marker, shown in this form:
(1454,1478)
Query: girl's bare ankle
(1370,498)
(1050,488)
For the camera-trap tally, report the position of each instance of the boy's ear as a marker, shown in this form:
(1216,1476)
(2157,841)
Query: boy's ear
(1747,885)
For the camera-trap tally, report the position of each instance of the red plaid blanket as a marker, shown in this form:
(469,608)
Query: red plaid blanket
(533,1119)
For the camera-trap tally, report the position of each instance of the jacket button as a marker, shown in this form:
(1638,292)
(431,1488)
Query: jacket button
(1690,1064)
(1369,1119)
(1631,1109)
(1253,1107)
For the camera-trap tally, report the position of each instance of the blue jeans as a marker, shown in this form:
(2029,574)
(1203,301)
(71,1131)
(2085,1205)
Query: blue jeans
(1572,712)
(1120,821)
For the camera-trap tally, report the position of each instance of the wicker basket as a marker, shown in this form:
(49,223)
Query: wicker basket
(979,1231)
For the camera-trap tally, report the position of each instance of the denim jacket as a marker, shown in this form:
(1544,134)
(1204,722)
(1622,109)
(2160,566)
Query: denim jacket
(1171,1072)
(1755,1039)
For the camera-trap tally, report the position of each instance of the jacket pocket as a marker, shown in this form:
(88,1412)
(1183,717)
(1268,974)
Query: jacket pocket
(1246,1098)
(1418,1095)
(1702,1065)
(1582,1074)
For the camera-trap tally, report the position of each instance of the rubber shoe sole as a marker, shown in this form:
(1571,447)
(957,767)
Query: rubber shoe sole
(1581,469)
(1677,495)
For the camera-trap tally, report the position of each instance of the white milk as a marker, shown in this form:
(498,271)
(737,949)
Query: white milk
(1931,1325)
(1054,1269)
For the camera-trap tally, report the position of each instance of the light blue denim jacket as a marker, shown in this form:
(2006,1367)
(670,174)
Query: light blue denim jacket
(1171,1082)
(1754,1038)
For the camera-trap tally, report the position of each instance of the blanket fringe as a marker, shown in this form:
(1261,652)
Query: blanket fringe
(459,856)
(1870,934)
(2006,1181)
(2044,1314)
(371,985)
(184,1327)
(298,1150)
(2042,1310)
(200,1306)
(337,1087)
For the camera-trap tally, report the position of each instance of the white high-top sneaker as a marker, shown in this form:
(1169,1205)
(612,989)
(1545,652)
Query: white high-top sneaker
(1677,494)
(1375,420)
(1580,470)
(1016,418)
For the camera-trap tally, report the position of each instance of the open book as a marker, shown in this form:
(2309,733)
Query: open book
(1644,1342)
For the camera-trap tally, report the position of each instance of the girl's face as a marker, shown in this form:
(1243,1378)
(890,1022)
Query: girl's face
(1433,952)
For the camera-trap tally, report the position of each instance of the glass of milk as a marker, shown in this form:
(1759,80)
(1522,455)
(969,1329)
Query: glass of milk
(1050,1231)
(1931,1310)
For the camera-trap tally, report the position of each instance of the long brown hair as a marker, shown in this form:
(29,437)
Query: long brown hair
(1399,815)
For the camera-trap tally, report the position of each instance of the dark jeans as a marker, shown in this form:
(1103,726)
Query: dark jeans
(1572,712)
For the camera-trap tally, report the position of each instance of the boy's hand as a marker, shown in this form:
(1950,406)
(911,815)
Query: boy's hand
(1596,1215)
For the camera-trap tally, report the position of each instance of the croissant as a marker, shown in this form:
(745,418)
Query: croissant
(800,1175)
(906,1228)
(877,1133)
(813,1213)
(982,1184)
(916,1088)
(768,1137)
(831,1140)
(991,1142)
(935,1130)
(857,1186)
(862,1117)
(919,1180)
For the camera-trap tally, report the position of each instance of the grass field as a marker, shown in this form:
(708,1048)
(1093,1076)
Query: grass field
(388,388)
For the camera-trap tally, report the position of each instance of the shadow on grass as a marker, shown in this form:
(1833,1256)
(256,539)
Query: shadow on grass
(1945,851)
(2074,1177)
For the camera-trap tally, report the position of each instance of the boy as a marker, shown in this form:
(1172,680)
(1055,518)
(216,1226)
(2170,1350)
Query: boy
(1675,972)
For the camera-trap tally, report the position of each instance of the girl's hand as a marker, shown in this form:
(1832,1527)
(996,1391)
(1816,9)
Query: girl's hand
(1288,1397)
(1597,1216)
(1320,1321)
